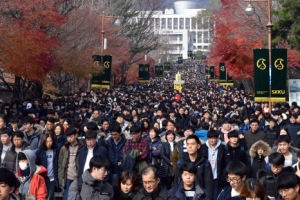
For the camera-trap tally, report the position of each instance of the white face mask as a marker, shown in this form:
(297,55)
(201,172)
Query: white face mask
(23,166)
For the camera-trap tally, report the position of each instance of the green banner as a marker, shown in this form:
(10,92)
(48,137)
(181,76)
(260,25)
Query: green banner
(180,60)
(224,78)
(161,71)
(278,75)
(190,54)
(167,66)
(207,71)
(144,72)
(279,70)
(156,71)
(102,80)
(212,72)
(222,69)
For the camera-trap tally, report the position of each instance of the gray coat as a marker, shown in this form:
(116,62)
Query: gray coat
(104,191)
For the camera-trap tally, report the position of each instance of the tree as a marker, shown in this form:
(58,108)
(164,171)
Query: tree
(26,41)
(287,26)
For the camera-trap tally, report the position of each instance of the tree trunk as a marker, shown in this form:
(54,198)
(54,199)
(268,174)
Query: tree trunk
(17,88)
(249,85)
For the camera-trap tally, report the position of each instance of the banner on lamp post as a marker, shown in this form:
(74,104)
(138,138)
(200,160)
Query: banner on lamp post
(279,70)
(223,74)
(261,75)
(144,72)
(212,72)
(278,75)
(102,79)
(167,66)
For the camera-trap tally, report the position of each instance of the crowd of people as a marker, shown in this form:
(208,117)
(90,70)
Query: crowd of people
(149,141)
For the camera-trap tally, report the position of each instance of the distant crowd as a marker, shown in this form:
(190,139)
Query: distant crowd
(149,141)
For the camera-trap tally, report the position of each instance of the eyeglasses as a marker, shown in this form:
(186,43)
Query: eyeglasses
(234,180)
(149,182)
(276,168)
(285,191)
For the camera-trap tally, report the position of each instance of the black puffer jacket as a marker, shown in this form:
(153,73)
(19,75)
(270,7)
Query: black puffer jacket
(204,172)
(160,193)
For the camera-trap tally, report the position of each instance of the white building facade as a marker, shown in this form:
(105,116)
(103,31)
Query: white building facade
(180,31)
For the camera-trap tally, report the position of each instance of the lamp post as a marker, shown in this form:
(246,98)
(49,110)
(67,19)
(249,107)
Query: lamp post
(250,11)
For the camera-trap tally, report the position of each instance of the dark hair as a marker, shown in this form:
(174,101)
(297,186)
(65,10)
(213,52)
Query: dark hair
(99,161)
(90,134)
(104,120)
(212,133)
(205,126)
(237,168)
(156,131)
(135,128)
(233,133)
(254,121)
(115,127)
(19,134)
(51,120)
(189,167)
(193,137)
(149,169)
(276,159)
(44,139)
(189,127)
(14,119)
(194,121)
(92,126)
(287,180)
(284,138)
(22,156)
(28,119)
(7,177)
(7,131)
(253,186)
(129,175)
(71,131)
(169,132)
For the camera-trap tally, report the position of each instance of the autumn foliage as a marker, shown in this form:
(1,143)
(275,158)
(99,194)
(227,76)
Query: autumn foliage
(236,35)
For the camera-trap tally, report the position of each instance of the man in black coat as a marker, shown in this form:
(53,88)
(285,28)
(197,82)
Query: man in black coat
(214,151)
(194,156)
(152,189)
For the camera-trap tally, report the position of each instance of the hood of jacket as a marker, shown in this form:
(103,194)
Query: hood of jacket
(260,144)
(30,155)
(219,142)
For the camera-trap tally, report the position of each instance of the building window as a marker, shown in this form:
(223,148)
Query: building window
(157,23)
(199,37)
(169,23)
(180,38)
(187,23)
(181,23)
(163,23)
(193,23)
(206,37)
(175,23)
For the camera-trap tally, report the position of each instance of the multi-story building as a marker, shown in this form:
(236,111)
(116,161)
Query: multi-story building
(181,30)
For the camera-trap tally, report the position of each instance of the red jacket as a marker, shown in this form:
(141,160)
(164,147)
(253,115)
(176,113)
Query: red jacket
(38,186)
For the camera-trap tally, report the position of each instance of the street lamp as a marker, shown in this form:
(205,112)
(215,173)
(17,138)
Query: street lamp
(250,11)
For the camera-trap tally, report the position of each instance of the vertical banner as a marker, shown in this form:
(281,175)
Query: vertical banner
(279,70)
(207,71)
(167,66)
(102,80)
(141,73)
(261,75)
(212,72)
(180,60)
(190,54)
(161,71)
(146,72)
(156,71)
(223,76)
(294,90)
